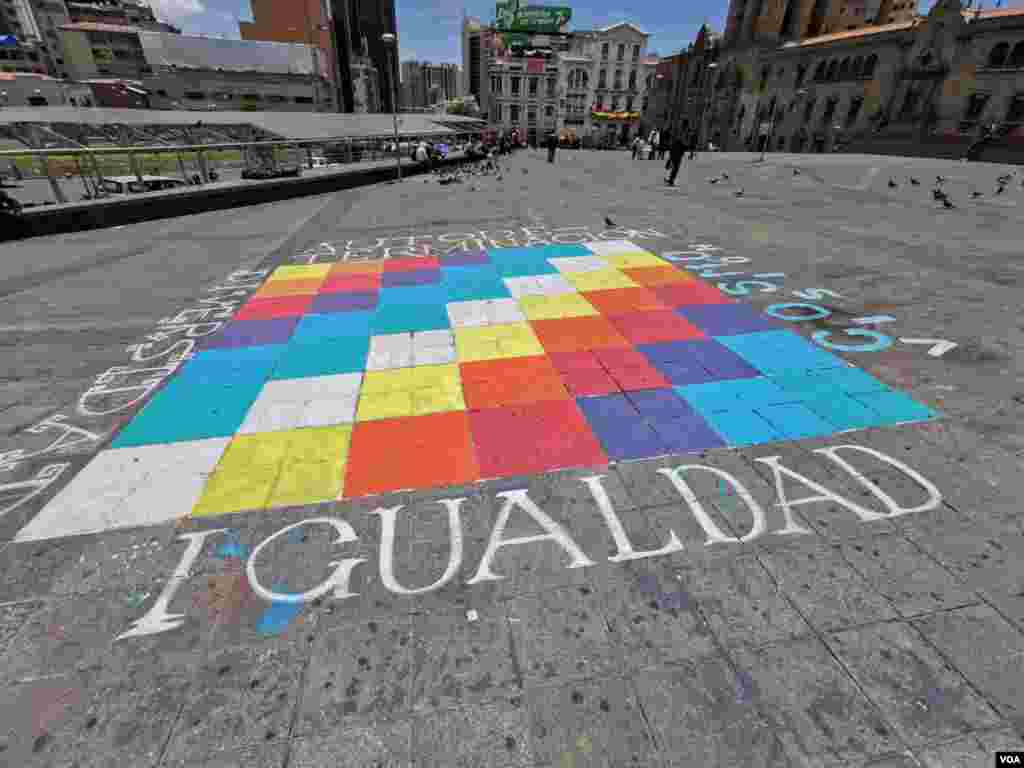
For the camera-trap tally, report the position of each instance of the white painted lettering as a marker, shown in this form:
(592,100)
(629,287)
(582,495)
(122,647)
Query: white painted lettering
(824,494)
(715,534)
(622,542)
(178,351)
(934,495)
(387,548)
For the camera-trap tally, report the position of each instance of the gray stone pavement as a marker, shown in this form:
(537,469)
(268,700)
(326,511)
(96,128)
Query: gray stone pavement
(891,642)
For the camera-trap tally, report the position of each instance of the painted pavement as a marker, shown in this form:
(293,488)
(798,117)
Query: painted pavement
(338,381)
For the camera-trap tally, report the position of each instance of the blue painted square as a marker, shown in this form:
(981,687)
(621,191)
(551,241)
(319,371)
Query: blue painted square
(780,353)
(464,257)
(184,412)
(741,427)
(421,295)
(843,412)
(251,333)
(680,374)
(658,404)
(411,277)
(410,318)
(620,428)
(727,319)
(721,361)
(671,351)
(805,385)
(795,420)
(324,358)
(895,407)
(689,435)
(338,325)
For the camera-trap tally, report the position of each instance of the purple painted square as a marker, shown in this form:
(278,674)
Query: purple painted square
(727,319)
(464,258)
(411,277)
(660,404)
(671,351)
(687,435)
(722,362)
(253,333)
(326,303)
(620,428)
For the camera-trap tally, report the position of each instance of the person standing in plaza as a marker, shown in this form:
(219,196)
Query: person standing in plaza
(636,146)
(552,144)
(693,145)
(652,140)
(675,159)
(664,142)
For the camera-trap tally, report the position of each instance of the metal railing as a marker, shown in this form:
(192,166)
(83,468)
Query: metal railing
(268,155)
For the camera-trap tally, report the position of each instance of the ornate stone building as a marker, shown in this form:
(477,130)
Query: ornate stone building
(871,76)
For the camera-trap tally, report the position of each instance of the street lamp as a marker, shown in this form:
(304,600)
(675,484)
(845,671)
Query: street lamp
(707,103)
(389,39)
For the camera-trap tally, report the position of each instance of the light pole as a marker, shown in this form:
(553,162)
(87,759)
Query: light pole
(389,39)
(701,128)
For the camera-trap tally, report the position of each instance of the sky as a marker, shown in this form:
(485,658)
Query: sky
(430,30)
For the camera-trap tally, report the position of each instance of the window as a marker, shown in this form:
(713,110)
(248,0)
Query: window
(909,103)
(629,104)
(276,98)
(604,51)
(844,69)
(533,87)
(809,110)
(551,87)
(496,84)
(632,80)
(857,69)
(549,111)
(636,53)
(854,111)
(830,109)
(615,103)
(997,56)
(195,95)
(161,92)
(764,78)
(1016,59)
(303,99)
(496,113)
(819,71)
(513,113)
(976,105)
(869,66)
(801,73)
(617,85)
(602,79)
(1015,114)
(833,70)
(621,53)
(515,86)
(531,115)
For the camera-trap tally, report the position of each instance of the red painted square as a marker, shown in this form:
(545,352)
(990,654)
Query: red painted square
(586,382)
(572,361)
(271,309)
(410,263)
(357,283)
(655,327)
(539,437)
(623,301)
(637,378)
(510,381)
(696,292)
(574,334)
(410,453)
(614,359)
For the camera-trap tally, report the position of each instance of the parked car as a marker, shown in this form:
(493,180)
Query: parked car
(120,185)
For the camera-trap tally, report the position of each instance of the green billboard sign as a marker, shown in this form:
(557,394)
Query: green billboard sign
(542,19)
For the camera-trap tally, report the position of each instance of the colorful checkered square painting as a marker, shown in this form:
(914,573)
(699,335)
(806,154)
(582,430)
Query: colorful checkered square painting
(354,379)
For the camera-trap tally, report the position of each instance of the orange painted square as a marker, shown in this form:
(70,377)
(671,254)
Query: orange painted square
(416,452)
(658,275)
(574,334)
(270,309)
(365,282)
(623,301)
(357,268)
(510,381)
(276,288)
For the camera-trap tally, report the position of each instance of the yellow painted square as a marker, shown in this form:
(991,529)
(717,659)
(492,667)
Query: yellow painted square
(599,280)
(390,380)
(517,340)
(384,405)
(260,449)
(436,400)
(434,376)
(236,489)
(553,307)
(308,483)
(638,258)
(315,445)
(301,272)
(476,344)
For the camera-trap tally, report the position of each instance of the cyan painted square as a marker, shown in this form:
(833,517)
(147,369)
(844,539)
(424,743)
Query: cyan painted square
(853,381)
(779,353)
(843,412)
(895,407)
(807,354)
(410,295)
(525,265)
(218,367)
(795,420)
(712,396)
(563,251)
(807,385)
(326,358)
(175,416)
(410,318)
(315,328)
(469,284)
(741,427)
(763,391)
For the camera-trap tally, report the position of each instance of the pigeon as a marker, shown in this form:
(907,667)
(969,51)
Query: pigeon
(739,193)
(975,194)
(940,179)
(725,175)
(609,222)
(1000,189)
(938,194)
(914,181)
(524,171)
(796,171)
(712,181)
(947,203)
(892,184)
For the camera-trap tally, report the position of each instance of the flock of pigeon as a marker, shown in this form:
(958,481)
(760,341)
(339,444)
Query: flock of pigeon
(725,177)
(939,195)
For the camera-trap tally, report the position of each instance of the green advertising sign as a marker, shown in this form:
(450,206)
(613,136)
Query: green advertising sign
(511,17)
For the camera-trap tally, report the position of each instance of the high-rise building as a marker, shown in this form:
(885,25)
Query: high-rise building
(474,36)
(425,84)
(368,21)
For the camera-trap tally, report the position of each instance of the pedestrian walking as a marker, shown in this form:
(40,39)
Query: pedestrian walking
(636,147)
(552,142)
(675,158)
(653,141)
(693,145)
(664,142)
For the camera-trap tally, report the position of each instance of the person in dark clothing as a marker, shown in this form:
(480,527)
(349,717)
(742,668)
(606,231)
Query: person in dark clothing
(693,146)
(664,143)
(675,158)
(552,144)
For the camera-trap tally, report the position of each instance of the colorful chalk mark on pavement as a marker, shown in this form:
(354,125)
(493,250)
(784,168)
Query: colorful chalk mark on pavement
(345,380)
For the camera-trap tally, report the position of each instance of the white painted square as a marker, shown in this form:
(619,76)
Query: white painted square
(579,263)
(538,285)
(328,411)
(467,314)
(608,247)
(294,390)
(500,311)
(272,416)
(129,487)
(393,350)
(438,338)
(433,355)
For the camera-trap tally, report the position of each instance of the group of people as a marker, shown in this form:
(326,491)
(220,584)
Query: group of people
(661,144)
